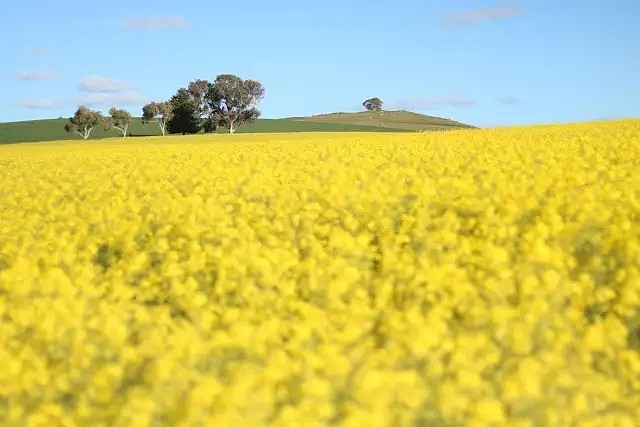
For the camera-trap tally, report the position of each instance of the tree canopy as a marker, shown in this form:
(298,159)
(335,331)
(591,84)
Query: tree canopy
(185,118)
(373,104)
(159,112)
(118,119)
(83,121)
(210,125)
(227,102)
(233,100)
(198,91)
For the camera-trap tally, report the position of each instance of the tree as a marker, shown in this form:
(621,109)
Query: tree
(232,101)
(118,119)
(198,91)
(83,121)
(210,125)
(185,118)
(159,112)
(373,104)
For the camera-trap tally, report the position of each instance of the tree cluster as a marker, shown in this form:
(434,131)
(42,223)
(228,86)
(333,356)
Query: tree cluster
(228,101)
(85,120)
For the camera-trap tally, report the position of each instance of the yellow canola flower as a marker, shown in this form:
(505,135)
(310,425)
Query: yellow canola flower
(478,277)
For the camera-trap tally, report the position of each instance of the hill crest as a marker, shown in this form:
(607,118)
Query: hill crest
(395,119)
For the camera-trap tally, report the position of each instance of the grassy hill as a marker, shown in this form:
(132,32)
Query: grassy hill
(403,120)
(382,121)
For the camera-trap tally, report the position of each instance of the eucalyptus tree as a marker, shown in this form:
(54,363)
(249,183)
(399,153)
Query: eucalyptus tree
(159,112)
(84,121)
(232,101)
(118,119)
(373,104)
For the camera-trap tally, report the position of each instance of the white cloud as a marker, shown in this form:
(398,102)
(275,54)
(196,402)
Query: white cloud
(474,16)
(509,100)
(112,99)
(429,103)
(36,75)
(102,84)
(156,23)
(38,104)
(40,52)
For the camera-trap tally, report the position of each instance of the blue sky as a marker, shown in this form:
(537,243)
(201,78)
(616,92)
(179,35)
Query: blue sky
(481,62)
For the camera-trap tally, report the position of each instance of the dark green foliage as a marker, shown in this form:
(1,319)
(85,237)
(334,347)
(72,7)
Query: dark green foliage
(107,255)
(373,104)
(634,337)
(185,117)
(210,125)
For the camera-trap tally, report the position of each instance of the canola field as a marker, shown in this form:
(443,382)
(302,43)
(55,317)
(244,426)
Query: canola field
(465,278)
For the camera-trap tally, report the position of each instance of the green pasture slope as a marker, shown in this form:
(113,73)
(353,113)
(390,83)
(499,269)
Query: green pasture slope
(381,121)
(402,119)
(53,129)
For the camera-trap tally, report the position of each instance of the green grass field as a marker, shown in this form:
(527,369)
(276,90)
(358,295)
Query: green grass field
(383,121)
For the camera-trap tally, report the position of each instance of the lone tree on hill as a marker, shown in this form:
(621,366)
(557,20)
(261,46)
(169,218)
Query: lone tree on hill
(373,104)
(159,112)
(185,118)
(83,121)
(118,119)
(233,101)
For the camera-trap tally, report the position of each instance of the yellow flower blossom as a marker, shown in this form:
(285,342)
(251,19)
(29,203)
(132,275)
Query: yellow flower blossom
(474,277)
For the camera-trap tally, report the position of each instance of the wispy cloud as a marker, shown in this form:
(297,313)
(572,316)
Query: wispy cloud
(474,16)
(38,104)
(156,23)
(113,99)
(102,84)
(40,52)
(36,75)
(509,100)
(429,103)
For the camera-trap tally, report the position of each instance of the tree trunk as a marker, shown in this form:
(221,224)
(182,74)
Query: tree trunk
(162,125)
(232,127)
(123,130)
